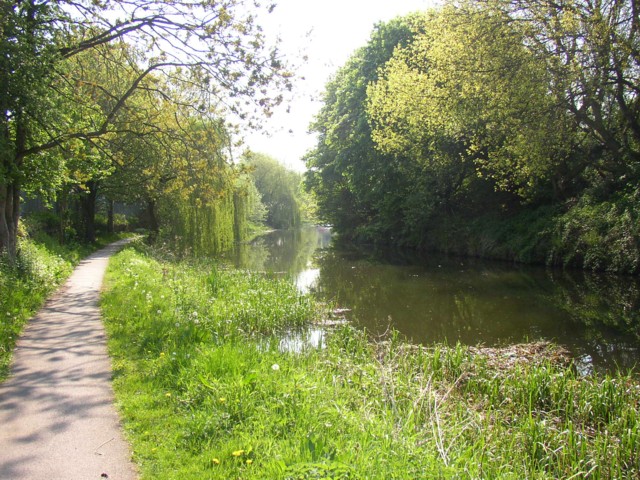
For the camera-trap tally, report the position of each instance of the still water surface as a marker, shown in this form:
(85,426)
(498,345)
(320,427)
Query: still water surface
(434,298)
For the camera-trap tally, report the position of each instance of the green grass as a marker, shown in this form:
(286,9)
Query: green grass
(206,393)
(42,265)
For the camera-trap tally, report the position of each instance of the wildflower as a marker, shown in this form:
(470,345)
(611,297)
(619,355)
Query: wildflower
(158,311)
(275,367)
(249,461)
(161,354)
(237,453)
(168,394)
(177,324)
(222,399)
(215,461)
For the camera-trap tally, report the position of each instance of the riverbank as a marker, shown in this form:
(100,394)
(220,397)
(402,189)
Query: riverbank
(206,391)
(42,266)
(586,234)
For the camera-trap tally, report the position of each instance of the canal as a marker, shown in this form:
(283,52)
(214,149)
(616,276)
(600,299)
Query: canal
(434,298)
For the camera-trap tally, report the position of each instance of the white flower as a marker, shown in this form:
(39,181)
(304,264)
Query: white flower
(275,367)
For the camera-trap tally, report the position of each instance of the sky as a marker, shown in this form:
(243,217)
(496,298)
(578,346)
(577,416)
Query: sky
(327,32)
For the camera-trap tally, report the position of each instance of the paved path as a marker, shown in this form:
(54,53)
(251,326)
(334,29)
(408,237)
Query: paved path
(57,420)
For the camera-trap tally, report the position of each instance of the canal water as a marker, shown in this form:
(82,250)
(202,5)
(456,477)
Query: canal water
(434,298)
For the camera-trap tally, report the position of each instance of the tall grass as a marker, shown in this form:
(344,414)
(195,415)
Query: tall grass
(206,392)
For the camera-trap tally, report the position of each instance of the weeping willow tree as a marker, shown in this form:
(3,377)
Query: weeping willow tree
(203,208)
(205,228)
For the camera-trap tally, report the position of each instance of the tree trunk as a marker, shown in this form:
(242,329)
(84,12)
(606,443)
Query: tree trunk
(110,227)
(10,188)
(62,209)
(4,227)
(9,214)
(88,208)
(154,226)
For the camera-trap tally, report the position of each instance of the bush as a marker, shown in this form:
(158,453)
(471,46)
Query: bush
(120,222)
(46,222)
(590,234)
(599,235)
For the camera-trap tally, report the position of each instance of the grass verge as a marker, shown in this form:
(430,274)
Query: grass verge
(206,392)
(42,265)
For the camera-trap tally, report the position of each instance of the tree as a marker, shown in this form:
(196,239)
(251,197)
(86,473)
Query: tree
(278,189)
(208,48)
(355,185)
(145,165)
(469,81)
(591,50)
(93,79)
(541,93)
(200,204)
(26,54)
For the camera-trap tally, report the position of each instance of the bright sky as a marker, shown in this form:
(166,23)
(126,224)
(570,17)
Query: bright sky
(328,32)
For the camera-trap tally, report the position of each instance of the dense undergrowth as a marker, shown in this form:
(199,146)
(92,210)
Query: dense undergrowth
(41,266)
(206,391)
(590,234)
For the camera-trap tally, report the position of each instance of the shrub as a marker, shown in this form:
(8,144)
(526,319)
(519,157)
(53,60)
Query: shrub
(599,235)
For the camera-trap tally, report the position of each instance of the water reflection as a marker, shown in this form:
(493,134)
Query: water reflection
(298,341)
(283,251)
(434,298)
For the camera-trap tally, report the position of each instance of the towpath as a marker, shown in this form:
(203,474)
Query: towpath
(57,416)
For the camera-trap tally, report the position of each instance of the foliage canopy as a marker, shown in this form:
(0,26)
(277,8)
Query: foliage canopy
(483,107)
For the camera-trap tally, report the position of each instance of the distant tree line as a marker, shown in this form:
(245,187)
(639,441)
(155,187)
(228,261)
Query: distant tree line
(499,128)
(282,201)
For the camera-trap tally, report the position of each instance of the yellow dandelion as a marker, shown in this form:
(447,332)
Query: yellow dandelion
(168,394)
(222,399)
(249,461)
(237,453)
(215,461)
